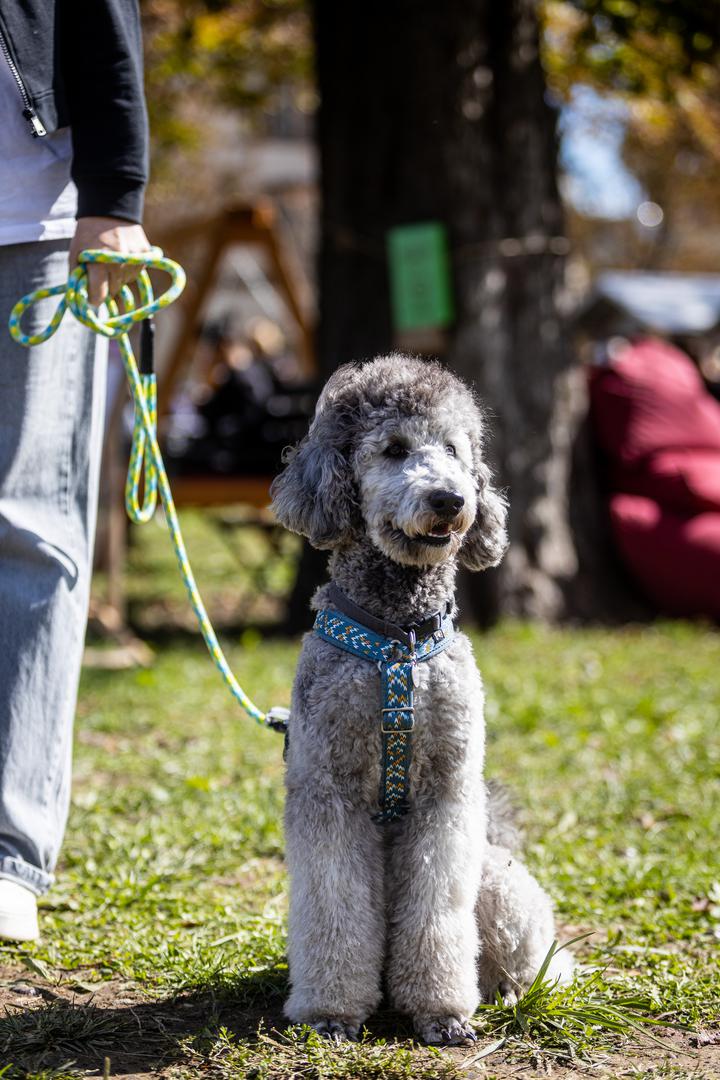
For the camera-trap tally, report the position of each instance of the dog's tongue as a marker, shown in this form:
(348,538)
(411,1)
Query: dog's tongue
(441,529)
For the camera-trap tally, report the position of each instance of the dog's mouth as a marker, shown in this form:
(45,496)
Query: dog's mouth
(438,535)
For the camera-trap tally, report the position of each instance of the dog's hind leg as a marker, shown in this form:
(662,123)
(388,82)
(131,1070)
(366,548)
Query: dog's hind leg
(517,929)
(336,924)
(432,883)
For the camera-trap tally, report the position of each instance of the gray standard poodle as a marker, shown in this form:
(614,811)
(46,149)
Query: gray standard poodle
(401,871)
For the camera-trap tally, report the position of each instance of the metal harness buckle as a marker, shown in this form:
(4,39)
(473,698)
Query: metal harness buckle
(398,731)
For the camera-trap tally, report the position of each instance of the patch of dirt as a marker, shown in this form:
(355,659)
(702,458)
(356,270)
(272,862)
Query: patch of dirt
(47,1023)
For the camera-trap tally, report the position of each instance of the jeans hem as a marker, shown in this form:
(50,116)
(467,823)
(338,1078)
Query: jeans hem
(14,869)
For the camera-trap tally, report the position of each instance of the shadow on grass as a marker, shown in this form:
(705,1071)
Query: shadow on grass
(144,1037)
(137,1037)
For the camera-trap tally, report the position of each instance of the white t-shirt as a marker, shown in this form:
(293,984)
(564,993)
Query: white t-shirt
(38,199)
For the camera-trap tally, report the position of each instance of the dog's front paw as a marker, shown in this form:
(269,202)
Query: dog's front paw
(335,1030)
(445,1030)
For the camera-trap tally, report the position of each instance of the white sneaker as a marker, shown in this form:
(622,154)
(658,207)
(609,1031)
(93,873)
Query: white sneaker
(18,912)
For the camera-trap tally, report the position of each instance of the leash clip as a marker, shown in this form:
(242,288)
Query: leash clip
(278,718)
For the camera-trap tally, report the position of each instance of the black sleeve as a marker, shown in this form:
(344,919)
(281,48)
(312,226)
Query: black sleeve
(102,70)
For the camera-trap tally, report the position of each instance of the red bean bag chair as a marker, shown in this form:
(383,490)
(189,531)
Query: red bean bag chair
(675,559)
(660,431)
(684,481)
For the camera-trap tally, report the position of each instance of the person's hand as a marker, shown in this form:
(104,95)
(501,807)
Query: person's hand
(115,235)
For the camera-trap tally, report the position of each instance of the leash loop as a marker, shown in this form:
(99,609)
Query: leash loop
(121,314)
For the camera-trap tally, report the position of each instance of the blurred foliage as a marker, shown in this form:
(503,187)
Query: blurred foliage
(253,59)
(662,59)
(640,47)
(237,53)
(661,56)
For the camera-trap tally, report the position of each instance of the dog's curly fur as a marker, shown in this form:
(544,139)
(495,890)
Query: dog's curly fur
(435,902)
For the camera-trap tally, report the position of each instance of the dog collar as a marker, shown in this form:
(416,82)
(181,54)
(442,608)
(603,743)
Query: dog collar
(388,629)
(396,660)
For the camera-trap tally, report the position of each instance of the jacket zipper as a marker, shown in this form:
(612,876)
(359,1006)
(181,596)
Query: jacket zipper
(36,126)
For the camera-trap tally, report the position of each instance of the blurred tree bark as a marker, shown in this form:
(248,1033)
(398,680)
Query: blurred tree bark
(438,112)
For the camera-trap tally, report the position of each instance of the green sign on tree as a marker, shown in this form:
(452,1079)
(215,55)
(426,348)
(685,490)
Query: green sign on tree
(420,287)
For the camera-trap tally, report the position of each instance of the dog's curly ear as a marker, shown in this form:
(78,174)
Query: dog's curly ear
(315,494)
(486,540)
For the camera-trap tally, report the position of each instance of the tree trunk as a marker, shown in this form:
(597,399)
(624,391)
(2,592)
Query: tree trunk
(437,112)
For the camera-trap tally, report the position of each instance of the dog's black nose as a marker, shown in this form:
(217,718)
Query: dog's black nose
(449,503)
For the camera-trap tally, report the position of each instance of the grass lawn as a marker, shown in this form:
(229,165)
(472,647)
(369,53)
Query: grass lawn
(163,949)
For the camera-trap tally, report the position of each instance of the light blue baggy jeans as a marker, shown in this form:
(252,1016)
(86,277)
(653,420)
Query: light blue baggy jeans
(51,419)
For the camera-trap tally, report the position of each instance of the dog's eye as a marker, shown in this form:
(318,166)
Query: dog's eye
(396,450)
(450,449)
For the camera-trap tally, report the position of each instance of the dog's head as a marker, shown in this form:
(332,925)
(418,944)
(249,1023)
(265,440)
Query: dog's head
(395,452)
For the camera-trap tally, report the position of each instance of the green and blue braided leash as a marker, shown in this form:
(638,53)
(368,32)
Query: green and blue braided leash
(122,314)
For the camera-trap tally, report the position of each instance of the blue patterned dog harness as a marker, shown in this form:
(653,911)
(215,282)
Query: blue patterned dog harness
(396,660)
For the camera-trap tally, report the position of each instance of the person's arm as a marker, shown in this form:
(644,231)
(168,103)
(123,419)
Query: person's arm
(101,49)
(102,71)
